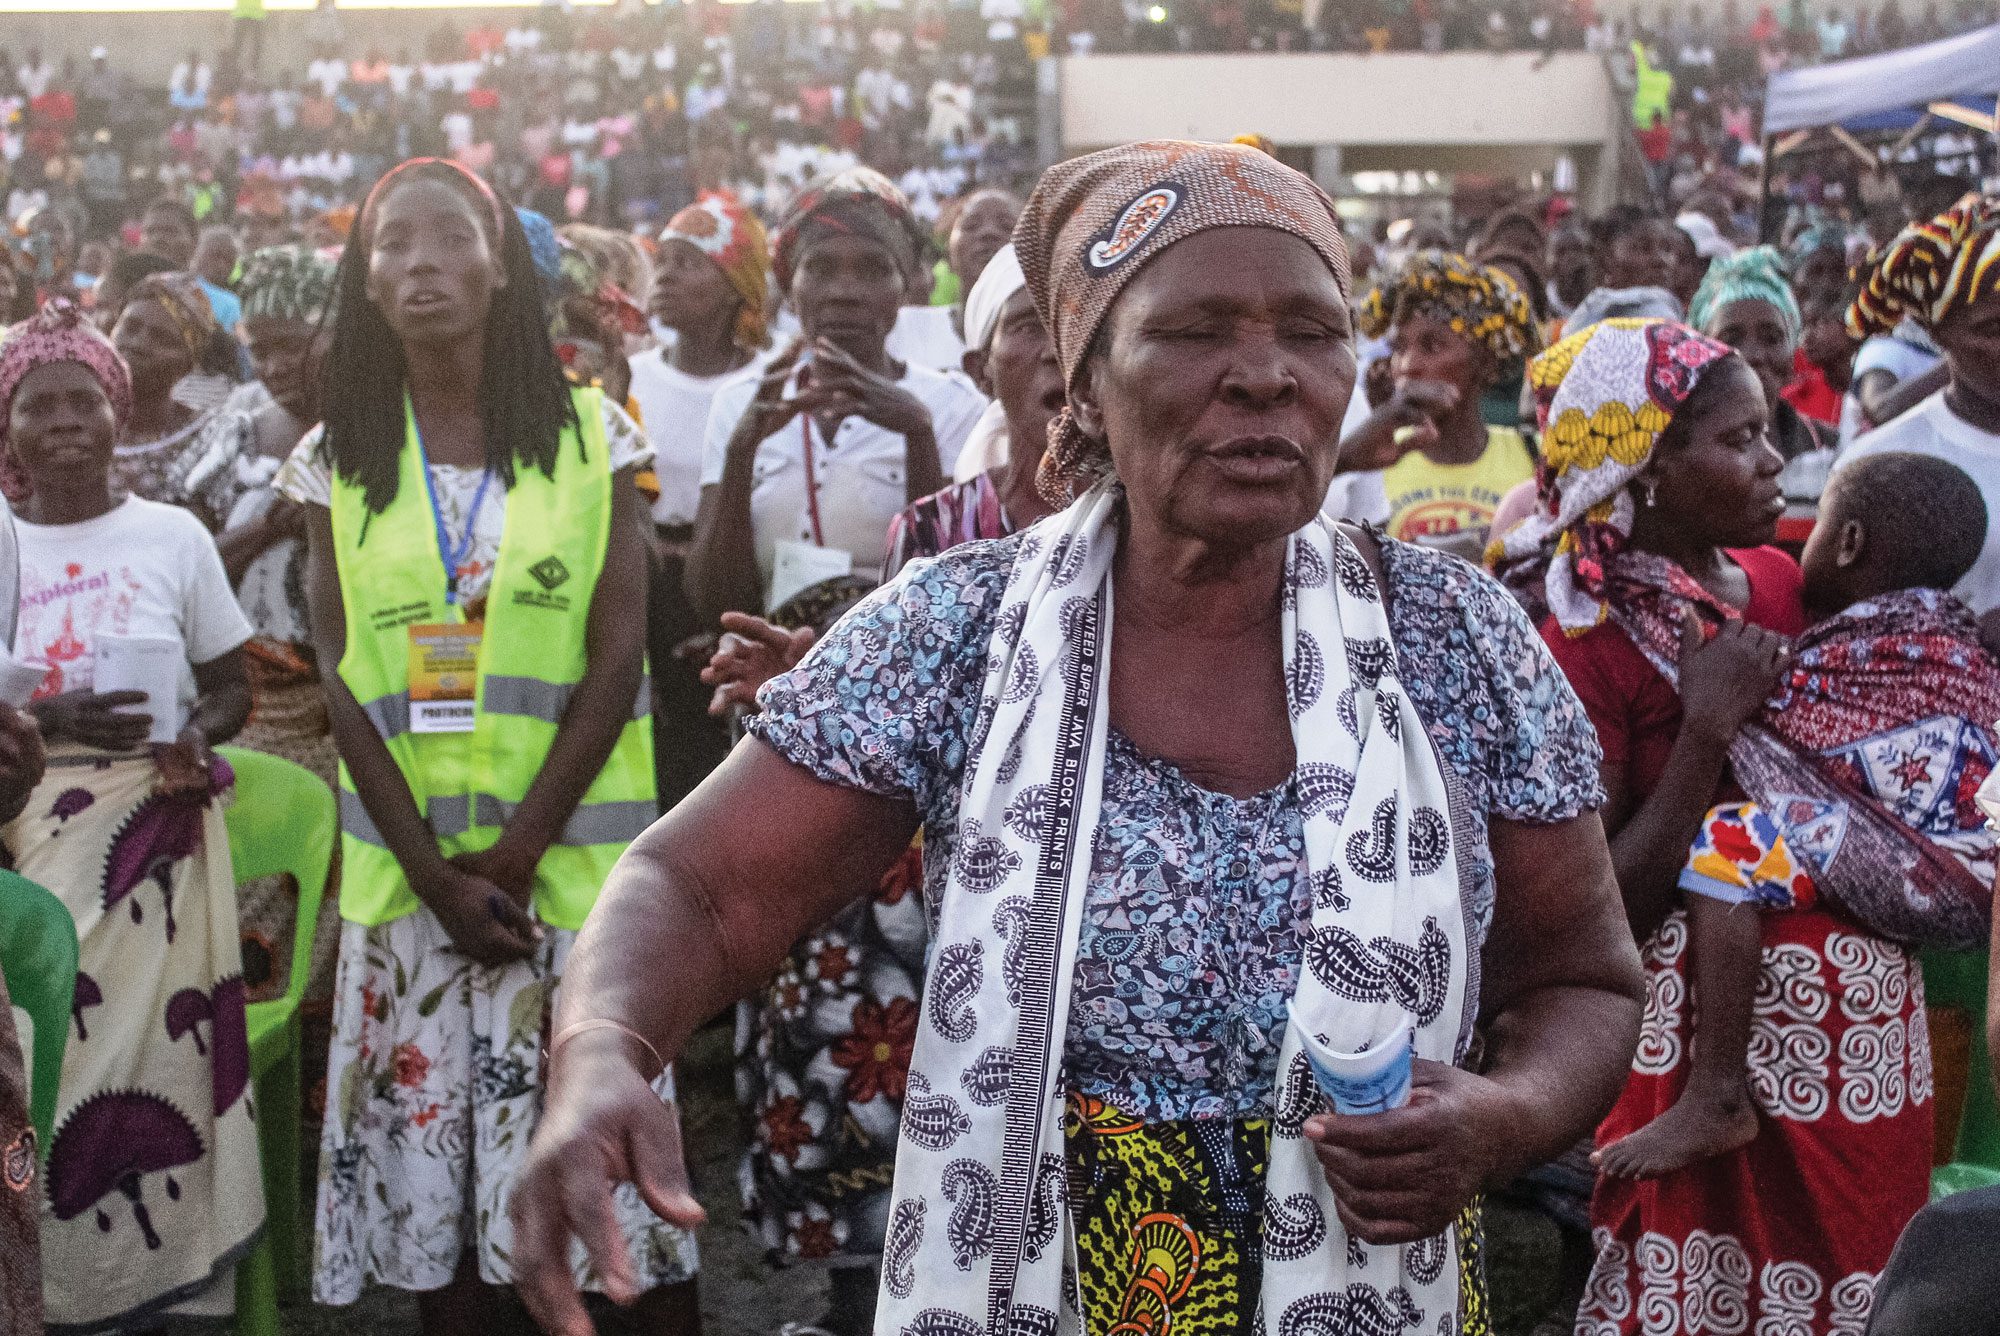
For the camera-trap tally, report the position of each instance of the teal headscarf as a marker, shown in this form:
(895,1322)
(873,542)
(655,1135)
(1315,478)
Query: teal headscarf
(1757,273)
(1821,234)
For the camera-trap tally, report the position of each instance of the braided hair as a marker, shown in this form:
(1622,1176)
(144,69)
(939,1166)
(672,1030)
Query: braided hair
(524,401)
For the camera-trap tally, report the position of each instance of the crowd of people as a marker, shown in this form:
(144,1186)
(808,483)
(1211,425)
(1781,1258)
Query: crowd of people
(623,117)
(612,119)
(1110,638)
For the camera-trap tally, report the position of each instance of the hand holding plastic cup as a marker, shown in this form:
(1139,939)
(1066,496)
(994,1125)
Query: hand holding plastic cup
(1375,1080)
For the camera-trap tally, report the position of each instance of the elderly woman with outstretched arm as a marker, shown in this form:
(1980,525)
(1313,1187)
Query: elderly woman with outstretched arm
(1202,777)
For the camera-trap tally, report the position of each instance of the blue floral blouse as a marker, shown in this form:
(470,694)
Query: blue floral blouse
(1190,945)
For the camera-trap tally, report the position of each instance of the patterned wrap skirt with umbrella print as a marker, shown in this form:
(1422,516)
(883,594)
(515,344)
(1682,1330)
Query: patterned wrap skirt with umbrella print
(154,1189)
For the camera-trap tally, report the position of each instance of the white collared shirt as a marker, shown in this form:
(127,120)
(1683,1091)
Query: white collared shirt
(674,409)
(860,476)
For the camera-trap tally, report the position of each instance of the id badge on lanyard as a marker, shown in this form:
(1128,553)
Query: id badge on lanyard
(444,676)
(444,656)
(796,565)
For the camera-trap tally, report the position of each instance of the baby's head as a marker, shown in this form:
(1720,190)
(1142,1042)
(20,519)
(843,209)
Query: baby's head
(1892,521)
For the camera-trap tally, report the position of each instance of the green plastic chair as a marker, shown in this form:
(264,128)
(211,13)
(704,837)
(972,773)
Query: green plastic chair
(38,960)
(283,819)
(1958,979)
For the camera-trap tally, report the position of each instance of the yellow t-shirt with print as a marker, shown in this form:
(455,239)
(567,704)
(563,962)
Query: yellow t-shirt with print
(1427,499)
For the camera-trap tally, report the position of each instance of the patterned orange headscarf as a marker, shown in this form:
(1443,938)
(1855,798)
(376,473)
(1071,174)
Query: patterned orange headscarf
(730,235)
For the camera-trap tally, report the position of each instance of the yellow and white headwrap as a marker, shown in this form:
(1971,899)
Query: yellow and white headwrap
(1478,301)
(1604,396)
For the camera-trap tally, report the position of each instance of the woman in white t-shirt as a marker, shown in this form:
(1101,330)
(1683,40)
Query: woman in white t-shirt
(805,466)
(154,1185)
(1943,276)
(710,287)
(934,336)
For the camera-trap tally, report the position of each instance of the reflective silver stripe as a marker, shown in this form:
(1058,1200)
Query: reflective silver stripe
(355,821)
(448,815)
(590,823)
(609,823)
(390,714)
(526,695)
(529,696)
(548,701)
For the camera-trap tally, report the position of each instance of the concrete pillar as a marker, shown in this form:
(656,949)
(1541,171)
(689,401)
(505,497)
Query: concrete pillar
(1326,166)
(1048,111)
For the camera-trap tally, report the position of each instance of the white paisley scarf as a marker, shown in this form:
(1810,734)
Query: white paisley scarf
(979,1239)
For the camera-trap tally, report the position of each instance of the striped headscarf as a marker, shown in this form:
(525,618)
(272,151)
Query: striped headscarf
(1093,223)
(1932,268)
(730,236)
(185,304)
(1757,274)
(857,202)
(1478,301)
(1604,396)
(287,283)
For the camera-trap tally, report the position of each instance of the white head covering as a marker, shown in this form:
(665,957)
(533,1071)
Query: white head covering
(1709,243)
(1000,280)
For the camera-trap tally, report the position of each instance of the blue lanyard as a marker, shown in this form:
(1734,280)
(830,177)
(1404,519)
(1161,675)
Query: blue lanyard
(453,552)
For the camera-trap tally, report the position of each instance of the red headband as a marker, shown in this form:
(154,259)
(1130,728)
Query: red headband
(365,225)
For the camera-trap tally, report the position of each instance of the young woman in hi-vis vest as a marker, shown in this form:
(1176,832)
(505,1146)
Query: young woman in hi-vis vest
(477,547)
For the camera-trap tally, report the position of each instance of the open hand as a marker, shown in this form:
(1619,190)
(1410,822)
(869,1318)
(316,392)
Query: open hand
(95,718)
(1726,678)
(601,1125)
(752,652)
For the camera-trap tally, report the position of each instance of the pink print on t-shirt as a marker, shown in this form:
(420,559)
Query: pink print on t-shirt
(63,613)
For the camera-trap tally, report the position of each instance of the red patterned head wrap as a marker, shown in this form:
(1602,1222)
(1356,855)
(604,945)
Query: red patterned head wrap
(730,236)
(859,202)
(60,333)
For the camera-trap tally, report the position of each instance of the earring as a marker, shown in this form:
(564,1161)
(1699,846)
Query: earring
(1652,489)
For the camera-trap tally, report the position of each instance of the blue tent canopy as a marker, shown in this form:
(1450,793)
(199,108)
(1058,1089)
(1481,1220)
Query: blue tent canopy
(1900,119)
(1856,94)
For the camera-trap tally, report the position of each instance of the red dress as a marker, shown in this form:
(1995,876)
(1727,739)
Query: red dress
(1786,1236)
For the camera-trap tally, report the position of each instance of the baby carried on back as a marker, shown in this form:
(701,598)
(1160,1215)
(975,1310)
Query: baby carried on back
(1860,778)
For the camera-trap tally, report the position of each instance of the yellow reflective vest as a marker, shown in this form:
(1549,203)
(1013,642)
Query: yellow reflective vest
(1652,90)
(532,656)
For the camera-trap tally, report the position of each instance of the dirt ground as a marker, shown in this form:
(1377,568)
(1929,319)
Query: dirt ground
(741,1296)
